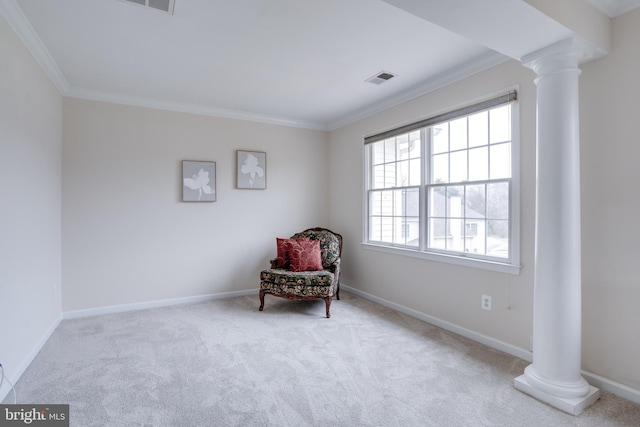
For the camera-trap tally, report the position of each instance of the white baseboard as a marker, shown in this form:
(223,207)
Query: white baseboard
(611,386)
(467,333)
(76,314)
(14,376)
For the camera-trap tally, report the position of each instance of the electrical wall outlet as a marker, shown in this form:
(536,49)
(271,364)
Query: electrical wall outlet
(486,302)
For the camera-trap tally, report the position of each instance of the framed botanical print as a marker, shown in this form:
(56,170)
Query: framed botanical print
(198,181)
(251,170)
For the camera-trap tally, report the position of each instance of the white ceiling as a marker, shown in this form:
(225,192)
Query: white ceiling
(614,8)
(295,62)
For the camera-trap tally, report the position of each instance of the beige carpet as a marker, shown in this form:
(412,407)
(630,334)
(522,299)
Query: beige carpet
(224,363)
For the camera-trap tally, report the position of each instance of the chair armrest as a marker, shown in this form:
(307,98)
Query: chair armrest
(335,267)
(334,264)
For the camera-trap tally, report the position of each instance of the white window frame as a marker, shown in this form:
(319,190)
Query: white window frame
(509,266)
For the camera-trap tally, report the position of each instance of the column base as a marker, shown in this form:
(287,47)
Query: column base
(570,405)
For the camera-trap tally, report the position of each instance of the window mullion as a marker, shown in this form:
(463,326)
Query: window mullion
(393,216)
(488,146)
(405,219)
(464,209)
(468,158)
(448,152)
(486,220)
(425,166)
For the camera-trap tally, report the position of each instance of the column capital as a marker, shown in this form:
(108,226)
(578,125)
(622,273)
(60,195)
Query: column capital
(566,53)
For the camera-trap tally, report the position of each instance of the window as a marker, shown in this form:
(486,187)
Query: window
(446,185)
(396,170)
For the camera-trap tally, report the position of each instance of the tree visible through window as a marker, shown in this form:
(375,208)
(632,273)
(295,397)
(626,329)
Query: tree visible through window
(445,187)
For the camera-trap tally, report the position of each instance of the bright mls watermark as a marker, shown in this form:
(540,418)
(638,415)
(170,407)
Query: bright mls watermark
(34,415)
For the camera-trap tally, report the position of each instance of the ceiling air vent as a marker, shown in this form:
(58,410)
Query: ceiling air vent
(380,78)
(162,5)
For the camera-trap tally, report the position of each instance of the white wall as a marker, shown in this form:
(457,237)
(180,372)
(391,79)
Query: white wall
(610,104)
(445,291)
(128,238)
(610,107)
(30,168)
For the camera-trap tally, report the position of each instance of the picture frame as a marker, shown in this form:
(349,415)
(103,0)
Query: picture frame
(198,181)
(251,170)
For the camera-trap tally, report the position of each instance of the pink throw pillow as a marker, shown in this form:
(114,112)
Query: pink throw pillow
(283,259)
(304,255)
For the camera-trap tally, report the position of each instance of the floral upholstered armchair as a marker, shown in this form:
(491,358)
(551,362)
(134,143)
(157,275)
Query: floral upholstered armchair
(307,266)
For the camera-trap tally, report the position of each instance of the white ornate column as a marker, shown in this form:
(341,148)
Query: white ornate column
(555,376)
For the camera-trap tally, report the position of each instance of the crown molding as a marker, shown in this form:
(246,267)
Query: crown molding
(183,107)
(614,8)
(477,65)
(21,26)
(482,63)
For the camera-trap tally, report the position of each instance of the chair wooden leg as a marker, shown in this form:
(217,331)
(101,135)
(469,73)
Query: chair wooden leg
(327,302)
(261,300)
(338,291)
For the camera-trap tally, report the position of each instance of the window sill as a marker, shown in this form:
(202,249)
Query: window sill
(501,267)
